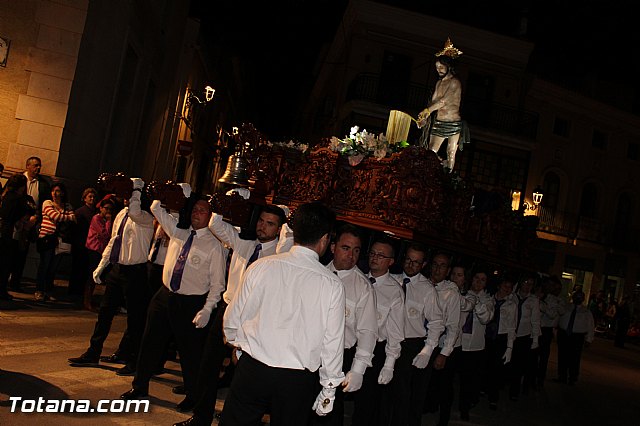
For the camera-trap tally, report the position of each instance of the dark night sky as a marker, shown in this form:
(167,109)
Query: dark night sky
(279,43)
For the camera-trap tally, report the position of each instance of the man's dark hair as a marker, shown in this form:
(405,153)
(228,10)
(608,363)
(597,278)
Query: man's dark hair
(348,228)
(30,159)
(419,247)
(273,209)
(444,254)
(449,62)
(311,222)
(388,241)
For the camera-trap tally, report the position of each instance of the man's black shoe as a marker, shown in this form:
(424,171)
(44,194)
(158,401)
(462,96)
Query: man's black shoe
(113,359)
(83,360)
(185,405)
(178,390)
(134,394)
(193,421)
(127,370)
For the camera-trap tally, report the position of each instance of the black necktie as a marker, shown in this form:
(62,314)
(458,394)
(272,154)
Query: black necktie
(405,281)
(520,303)
(373,280)
(156,249)
(176,276)
(468,323)
(117,243)
(572,319)
(255,255)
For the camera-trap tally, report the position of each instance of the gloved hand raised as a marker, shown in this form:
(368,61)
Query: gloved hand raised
(137,183)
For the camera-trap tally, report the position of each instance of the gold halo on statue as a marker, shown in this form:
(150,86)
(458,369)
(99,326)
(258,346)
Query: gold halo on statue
(449,50)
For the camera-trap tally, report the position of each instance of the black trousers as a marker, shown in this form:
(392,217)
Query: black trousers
(569,354)
(409,385)
(443,380)
(372,403)
(523,366)
(215,351)
(125,285)
(172,314)
(496,372)
(17,266)
(8,254)
(257,388)
(470,365)
(544,349)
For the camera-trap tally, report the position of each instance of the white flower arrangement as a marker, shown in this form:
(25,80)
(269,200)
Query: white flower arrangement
(359,145)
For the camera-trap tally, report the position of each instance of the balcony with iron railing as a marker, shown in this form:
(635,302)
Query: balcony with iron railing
(412,98)
(577,227)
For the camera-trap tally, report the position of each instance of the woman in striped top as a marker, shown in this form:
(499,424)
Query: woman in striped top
(54,212)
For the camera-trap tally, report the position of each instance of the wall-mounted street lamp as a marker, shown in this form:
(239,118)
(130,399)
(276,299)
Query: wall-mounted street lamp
(537,199)
(208,96)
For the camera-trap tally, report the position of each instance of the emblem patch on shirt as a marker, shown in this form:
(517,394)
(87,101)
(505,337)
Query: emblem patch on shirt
(195,259)
(413,312)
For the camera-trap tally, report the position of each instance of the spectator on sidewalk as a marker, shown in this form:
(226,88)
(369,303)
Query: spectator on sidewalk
(80,272)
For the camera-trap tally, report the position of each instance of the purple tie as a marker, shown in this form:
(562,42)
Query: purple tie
(405,281)
(255,255)
(176,277)
(117,243)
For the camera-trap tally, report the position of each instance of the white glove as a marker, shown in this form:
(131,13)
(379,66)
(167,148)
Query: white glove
(243,192)
(137,183)
(507,355)
(186,189)
(386,375)
(285,209)
(473,300)
(422,359)
(202,318)
(534,344)
(324,401)
(96,275)
(353,380)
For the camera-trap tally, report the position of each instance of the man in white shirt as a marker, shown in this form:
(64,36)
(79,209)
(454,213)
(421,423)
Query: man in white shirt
(444,364)
(551,307)
(268,227)
(125,278)
(525,348)
(423,325)
(193,278)
(372,403)
(575,331)
(288,322)
(477,310)
(39,189)
(361,325)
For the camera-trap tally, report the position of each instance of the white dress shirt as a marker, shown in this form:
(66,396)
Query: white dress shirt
(508,318)
(361,324)
(389,304)
(242,251)
(420,304)
(289,313)
(482,313)
(136,235)
(162,248)
(449,300)
(205,264)
(583,322)
(33,188)
(529,324)
(551,307)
